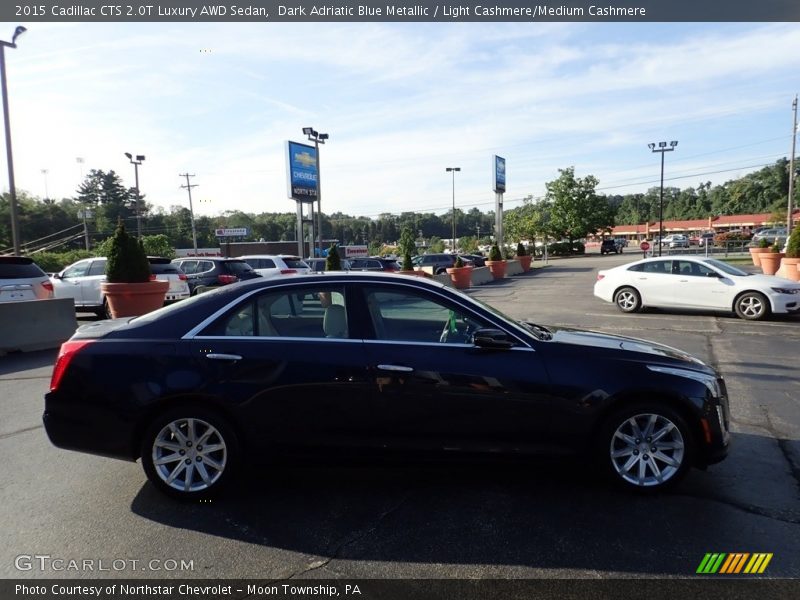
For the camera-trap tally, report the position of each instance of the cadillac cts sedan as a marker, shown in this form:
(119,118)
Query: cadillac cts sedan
(696,283)
(374,364)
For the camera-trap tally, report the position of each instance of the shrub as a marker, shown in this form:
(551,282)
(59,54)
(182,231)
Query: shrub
(494,253)
(333,262)
(53,262)
(521,250)
(777,247)
(407,264)
(459,263)
(763,243)
(793,247)
(127,260)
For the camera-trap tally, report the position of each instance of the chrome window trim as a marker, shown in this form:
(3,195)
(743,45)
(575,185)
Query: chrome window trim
(439,344)
(276,338)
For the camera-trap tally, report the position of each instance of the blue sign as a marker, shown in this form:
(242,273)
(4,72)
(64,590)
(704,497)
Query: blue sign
(301,161)
(499,174)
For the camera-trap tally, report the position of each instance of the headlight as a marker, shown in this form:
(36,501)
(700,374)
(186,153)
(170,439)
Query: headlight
(786,290)
(708,380)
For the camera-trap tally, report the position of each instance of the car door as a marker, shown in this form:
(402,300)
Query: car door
(289,358)
(90,284)
(435,391)
(654,281)
(68,283)
(699,286)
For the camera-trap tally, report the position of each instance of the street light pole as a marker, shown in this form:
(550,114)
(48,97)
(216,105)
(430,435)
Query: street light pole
(317,138)
(12,190)
(662,148)
(453,170)
(791,172)
(46,193)
(188,187)
(136,163)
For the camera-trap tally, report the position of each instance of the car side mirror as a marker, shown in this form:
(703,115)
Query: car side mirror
(714,274)
(55,275)
(492,338)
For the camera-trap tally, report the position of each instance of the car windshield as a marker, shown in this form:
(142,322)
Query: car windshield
(725,267)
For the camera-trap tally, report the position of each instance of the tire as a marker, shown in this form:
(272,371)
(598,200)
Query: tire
(104,312)
(441,270)
(210,467)
(628,300)
(645,447)
(751,306)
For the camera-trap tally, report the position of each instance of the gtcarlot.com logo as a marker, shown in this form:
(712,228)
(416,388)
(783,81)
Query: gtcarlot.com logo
(721,563)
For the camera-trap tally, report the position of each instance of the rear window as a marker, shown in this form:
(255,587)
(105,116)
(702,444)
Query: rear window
(237,266)
(292,262)
(164,269)
(17,267)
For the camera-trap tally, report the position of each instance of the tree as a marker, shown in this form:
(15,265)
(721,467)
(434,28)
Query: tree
(407,243)
(577,211)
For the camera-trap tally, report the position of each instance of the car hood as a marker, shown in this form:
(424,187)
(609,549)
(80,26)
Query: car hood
(767,281)
(604,340)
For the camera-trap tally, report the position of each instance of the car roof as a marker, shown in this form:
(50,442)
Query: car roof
(293,256)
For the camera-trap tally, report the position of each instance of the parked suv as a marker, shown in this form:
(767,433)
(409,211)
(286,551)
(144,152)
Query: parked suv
(214,271)
(81,282)
(374,263)
(607,246)
(438,263)
(676,240)
(777,234)
(22,279)
(270,265)
(317,265)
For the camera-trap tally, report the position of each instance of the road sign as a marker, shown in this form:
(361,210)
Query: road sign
(233,232)
(644,246)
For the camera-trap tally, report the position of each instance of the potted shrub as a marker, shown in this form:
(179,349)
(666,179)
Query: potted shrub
(771,260)
(496,264)
(790,265)
(460,275)
(524,258)
(757,251)
(129,288)
(333,262)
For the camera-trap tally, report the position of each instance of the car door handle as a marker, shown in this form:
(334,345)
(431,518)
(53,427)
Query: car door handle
(396,368)
(216,356)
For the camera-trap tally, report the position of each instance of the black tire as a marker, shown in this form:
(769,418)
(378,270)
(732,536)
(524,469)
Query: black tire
(751,306)
(628,300)
(209,470)
(104,312)
(441,270)
(645,447)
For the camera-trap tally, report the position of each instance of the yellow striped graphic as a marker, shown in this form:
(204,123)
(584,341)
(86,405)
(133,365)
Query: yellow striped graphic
(758,563)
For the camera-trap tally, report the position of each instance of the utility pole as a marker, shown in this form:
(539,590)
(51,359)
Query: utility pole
(188,187)
(791,172)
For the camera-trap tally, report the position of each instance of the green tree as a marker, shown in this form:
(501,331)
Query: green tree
(577,211)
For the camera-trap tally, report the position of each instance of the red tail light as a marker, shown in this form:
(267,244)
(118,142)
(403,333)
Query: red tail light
(152,277)
(183,277)
(65,356)
(600,276)
(226,279)
(288,271)
(48,285)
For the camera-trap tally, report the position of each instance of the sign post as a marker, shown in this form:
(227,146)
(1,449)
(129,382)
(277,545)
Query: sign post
(499,187)
(644,247)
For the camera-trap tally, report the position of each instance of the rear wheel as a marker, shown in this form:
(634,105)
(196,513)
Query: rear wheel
(104,312)
(628,300)
(646,447)
(751,306)
(189,453)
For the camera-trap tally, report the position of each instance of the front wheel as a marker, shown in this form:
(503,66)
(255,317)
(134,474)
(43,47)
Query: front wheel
(751,306)
(628,300)
(189,453)
(646,447)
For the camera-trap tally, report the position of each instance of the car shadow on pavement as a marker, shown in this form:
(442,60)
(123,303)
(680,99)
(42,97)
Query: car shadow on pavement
(15,362)
(529,518)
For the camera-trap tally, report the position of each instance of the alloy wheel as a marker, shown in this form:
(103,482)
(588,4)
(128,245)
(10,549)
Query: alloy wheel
(189,455)
(647,450)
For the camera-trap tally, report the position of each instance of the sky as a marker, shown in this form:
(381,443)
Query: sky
(401,103)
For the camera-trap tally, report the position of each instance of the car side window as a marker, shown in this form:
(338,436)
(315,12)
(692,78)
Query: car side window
(77,270)
(204,266)
(658,266)
(188,266)
(98,268)
(411,317)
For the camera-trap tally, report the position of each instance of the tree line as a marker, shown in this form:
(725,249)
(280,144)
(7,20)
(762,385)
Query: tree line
(571,209)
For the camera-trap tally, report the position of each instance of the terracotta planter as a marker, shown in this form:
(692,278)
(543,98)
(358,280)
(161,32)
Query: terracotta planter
(755,254)
(791,268)
(461,277)
(497,268)
(770,261)
(525,261)
(414,273)
(134,299)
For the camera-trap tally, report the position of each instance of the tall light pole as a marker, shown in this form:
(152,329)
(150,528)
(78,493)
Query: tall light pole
(136,163)
(453,170)
(46,193)
(80,162)
(791,172)
(12,190)
(317,138)
(662,148)
(188,187)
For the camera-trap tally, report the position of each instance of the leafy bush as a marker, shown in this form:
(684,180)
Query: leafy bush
(333,262)
(53,262)
(521,250)
(763,243)
(793,247)
(565,248)
(777,247)
(407,264)
(494,253)
(459,263)
(127,260)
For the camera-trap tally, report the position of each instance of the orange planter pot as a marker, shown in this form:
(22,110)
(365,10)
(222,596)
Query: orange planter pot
(414,273)
(134,299)
(755,254)
(497,268)
(791,268)
(770,261)
(525,262)
(461,277)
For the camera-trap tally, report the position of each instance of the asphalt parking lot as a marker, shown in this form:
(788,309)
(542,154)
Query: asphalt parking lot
(547,520)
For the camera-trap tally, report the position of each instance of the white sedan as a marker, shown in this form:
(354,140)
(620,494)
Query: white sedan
(696,283)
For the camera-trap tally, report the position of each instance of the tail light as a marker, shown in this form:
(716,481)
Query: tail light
(65,356)
(183,277)
(226,279)
(48,285)
(600,276)
(152,277)
(288,271)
